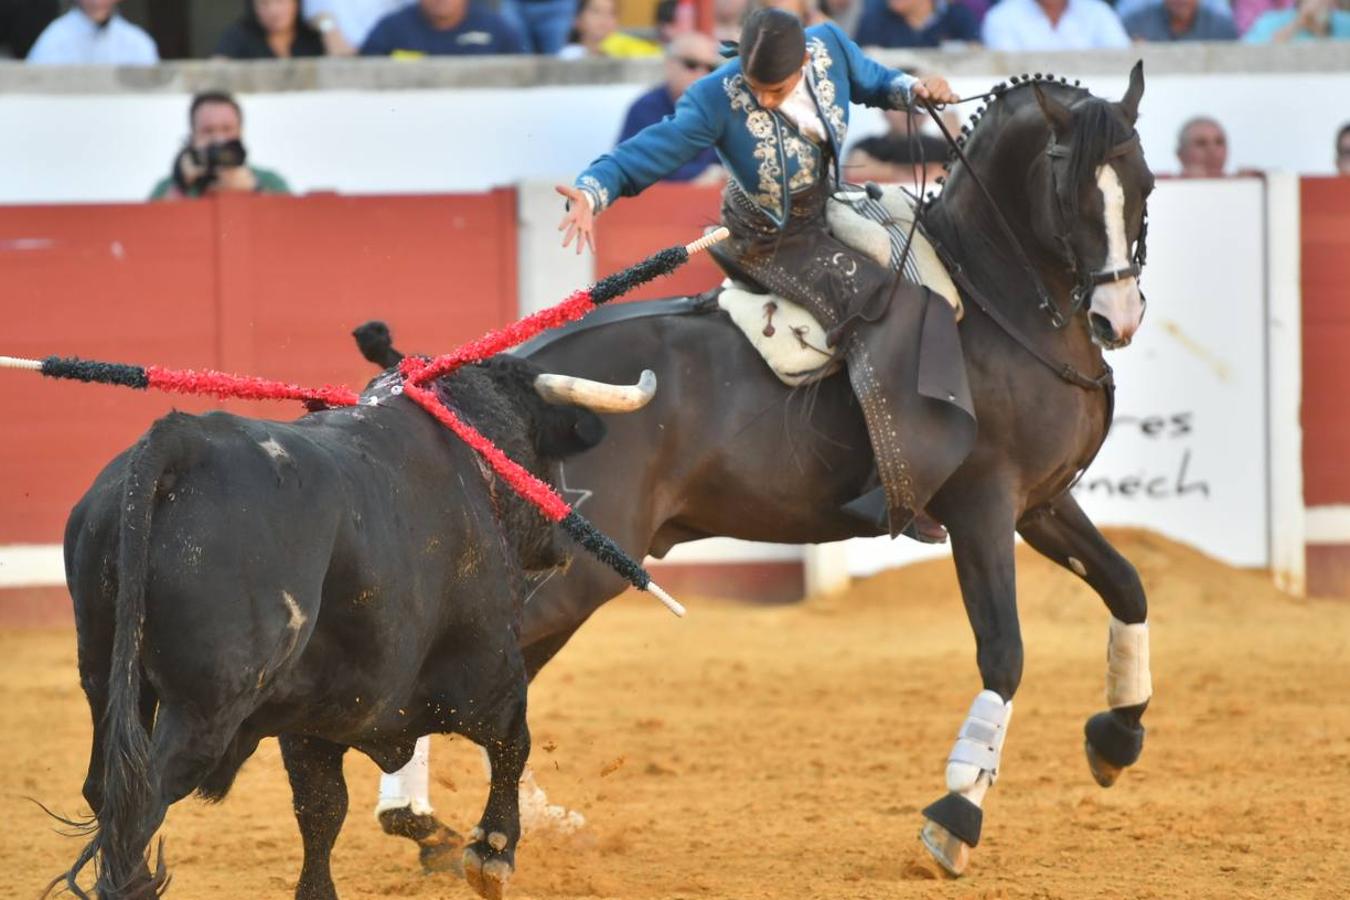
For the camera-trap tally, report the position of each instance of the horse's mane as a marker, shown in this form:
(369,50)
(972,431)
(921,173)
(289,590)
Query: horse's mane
(1096,127)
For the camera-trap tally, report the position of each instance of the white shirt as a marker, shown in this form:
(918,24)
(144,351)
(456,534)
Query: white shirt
(354,18)
(75,39)
(800,110)
(1023,25)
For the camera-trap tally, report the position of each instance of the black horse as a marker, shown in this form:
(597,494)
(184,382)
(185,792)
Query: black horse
(726,450)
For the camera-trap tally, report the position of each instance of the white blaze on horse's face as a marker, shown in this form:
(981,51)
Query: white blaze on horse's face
(1119,303)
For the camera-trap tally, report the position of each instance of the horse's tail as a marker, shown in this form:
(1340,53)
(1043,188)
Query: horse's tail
(131,803)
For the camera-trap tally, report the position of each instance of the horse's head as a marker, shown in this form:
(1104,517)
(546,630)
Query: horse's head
(1088,193)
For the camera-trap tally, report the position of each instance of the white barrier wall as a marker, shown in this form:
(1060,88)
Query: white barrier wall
(113,147)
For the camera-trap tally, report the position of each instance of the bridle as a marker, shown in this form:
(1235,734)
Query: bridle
(1086,283)
(1086,280)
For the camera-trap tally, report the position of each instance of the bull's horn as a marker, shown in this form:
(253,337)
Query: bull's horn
(597,395)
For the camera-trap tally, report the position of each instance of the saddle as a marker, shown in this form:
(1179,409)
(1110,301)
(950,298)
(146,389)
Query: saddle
(786,335)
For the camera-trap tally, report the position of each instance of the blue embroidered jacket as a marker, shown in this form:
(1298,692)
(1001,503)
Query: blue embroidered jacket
(761,149)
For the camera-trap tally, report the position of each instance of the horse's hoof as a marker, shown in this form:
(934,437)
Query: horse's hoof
(488,879)
(1103,772)
(441,853)
(948,850)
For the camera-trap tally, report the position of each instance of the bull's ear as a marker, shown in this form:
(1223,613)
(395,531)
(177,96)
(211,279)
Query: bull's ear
(569,430)
(1056,113)
(588,429)
(1129,104)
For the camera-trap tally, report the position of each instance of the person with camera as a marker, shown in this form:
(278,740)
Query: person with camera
(214,160)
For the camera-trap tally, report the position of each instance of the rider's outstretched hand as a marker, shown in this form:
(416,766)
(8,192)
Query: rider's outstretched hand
(935,89)
(578,221)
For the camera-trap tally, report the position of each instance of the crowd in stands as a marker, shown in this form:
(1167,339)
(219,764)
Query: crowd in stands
(92,31)
(214,158)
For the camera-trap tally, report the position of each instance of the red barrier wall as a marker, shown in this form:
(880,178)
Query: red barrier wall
(1326,368)
(1326,335)
(269,286)
(663,215)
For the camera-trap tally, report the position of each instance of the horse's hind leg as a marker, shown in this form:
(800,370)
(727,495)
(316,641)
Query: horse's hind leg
(404,810)
(981,524)
(1061,532)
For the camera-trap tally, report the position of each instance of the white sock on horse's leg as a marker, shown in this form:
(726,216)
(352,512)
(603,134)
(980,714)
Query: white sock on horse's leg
(409,785)
(1128,679)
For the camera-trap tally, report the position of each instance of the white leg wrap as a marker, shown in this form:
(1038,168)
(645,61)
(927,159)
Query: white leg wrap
(979,743)
(1128,682)
(408,786)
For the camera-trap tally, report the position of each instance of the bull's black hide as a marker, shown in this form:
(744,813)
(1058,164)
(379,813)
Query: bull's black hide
(350,579)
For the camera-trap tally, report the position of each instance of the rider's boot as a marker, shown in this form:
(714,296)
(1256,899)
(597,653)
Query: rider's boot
(871,508)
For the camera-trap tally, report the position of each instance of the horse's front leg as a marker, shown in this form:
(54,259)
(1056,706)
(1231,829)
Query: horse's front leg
(1064,534)
(982,544)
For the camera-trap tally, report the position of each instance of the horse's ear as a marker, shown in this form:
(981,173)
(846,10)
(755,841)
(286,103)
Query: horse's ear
(1129,104)
(1056,113)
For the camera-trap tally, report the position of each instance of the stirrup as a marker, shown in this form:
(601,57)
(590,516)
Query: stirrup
(871,508)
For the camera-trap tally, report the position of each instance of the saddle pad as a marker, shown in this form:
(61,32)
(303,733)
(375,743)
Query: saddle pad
(784,333)
(788,337)
(878,228)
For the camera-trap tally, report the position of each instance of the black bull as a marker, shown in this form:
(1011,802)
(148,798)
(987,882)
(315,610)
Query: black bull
(726,450)
(351,579)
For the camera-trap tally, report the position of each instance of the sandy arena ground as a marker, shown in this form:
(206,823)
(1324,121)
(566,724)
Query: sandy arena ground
(786,752)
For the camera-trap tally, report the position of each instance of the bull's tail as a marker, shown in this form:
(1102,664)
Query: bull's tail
(132,806)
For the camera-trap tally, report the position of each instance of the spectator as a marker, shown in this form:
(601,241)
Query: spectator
(1246,12)
(21,21)
(897,159)
(1180,20)
(543,24)
(1202,148)
(93,33)
(670,23)
(727,18)
(1309,20)
(845,13)
(1343,150)
(916,23)
(352,19)
(688,58)
(595,33)
(808,11)
(442,28)
(1126,8)
(271,29)
(214,159)
(1053,25)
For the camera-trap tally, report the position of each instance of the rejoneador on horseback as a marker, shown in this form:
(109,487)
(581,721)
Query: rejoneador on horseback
(777,115)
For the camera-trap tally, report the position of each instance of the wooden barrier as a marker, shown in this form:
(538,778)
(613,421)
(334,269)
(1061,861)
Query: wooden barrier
(260,285)
(1325,231)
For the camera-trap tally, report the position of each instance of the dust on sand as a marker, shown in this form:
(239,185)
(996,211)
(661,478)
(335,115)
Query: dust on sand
(786,752)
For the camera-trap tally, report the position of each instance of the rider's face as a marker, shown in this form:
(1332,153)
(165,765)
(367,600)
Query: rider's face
(771,96)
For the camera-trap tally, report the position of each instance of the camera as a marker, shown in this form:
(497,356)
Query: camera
(226,155)
(196,169)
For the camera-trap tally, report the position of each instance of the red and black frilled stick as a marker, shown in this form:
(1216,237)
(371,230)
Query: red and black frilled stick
(663,262)
(206,382)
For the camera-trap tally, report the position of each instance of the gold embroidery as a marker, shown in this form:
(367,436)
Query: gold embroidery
(805,155)
(765,132)
(820,67)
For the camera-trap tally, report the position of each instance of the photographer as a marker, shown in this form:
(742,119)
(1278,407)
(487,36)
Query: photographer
(214,159)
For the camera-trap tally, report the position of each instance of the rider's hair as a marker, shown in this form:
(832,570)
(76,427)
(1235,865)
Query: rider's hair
(772,46)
